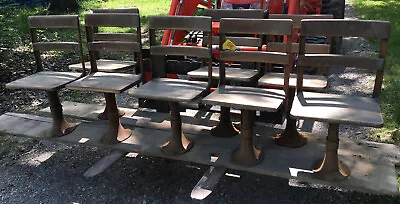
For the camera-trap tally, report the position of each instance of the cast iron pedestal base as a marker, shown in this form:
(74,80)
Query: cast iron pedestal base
(225,127)
(60,126)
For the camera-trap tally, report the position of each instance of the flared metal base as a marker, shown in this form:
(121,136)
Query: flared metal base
(103,115)
(225,127)
(290,137)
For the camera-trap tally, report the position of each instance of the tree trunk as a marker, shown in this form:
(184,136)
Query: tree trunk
(63,6)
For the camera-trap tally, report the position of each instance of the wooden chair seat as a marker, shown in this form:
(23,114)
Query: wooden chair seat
(46,80)
(172,90)
(248,98)
(104,65)
(232,74)
(105,82)
(310,82)
(341,109)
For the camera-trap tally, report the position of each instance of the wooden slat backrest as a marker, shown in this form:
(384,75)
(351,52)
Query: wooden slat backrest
(239,41)
(262,27)
(187,23)
(298,18)
(256,26)
(217,14)
(115,36)
(112,20)
(55,22)
(347,28)
(125,42)
(116,10)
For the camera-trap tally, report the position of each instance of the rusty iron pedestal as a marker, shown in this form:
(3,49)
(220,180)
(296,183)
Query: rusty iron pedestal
(290,137)
(330,167)
(60,126)
(115,133)
(247,154)
(225,127)
(178,144)
(103,115)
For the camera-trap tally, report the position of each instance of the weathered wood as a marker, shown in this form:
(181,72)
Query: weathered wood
(104,163)
(104,65)
(263,57)
(174,90)
(234,74)
(114,46)
(297,18)
(310,82)
(217,14)
(207,182)
(112,19)
(345,27)
(54,21)
(47,81)
(247,98)
(371,63)
(105,82)
(59,46)
(369,174)
(341,109)
(130,37)
(256,26)
(191,51)
(196,23)
(116,10)
(310,48)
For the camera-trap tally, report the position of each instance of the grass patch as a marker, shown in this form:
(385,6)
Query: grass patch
(390,99)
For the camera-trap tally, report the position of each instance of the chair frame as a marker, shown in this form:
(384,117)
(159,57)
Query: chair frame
(330,167)
(179,144)
(60,126)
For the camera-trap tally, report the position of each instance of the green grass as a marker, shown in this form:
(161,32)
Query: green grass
(390,100)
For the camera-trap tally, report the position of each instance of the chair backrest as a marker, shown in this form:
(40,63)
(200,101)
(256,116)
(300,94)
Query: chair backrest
(55,22)
(217,14)
(379,30)
(185,23)
(266,27)
(116,10)
(310,48)
(126,42)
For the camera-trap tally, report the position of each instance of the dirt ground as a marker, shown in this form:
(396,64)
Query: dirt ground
(45,172)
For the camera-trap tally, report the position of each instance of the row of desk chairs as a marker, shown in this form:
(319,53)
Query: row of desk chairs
(334,109)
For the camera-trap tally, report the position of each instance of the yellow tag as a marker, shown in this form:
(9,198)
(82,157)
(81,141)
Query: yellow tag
(229,45)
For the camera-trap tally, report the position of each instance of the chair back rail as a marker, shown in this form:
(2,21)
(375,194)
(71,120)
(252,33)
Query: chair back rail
(217,14)
(348,28)
(110,42)
(263,28)
(112,20)
(298,18)
(310,48)
(187,23)
(116,10)
(55,22)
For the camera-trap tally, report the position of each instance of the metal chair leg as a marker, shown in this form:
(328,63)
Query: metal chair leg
(60,126)
(178,144)
(330,168)
(247,154)
(103,115)
(116,133)
(290,137)
(225,127)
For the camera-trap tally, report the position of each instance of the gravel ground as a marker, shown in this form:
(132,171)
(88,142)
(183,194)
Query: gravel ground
(44,172)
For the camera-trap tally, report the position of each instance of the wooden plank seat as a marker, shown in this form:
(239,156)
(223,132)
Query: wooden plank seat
(250,99)
(111,83)
(310,82)
(176,90)
(232,74)
(340,109)
(51,81)
(108,65)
